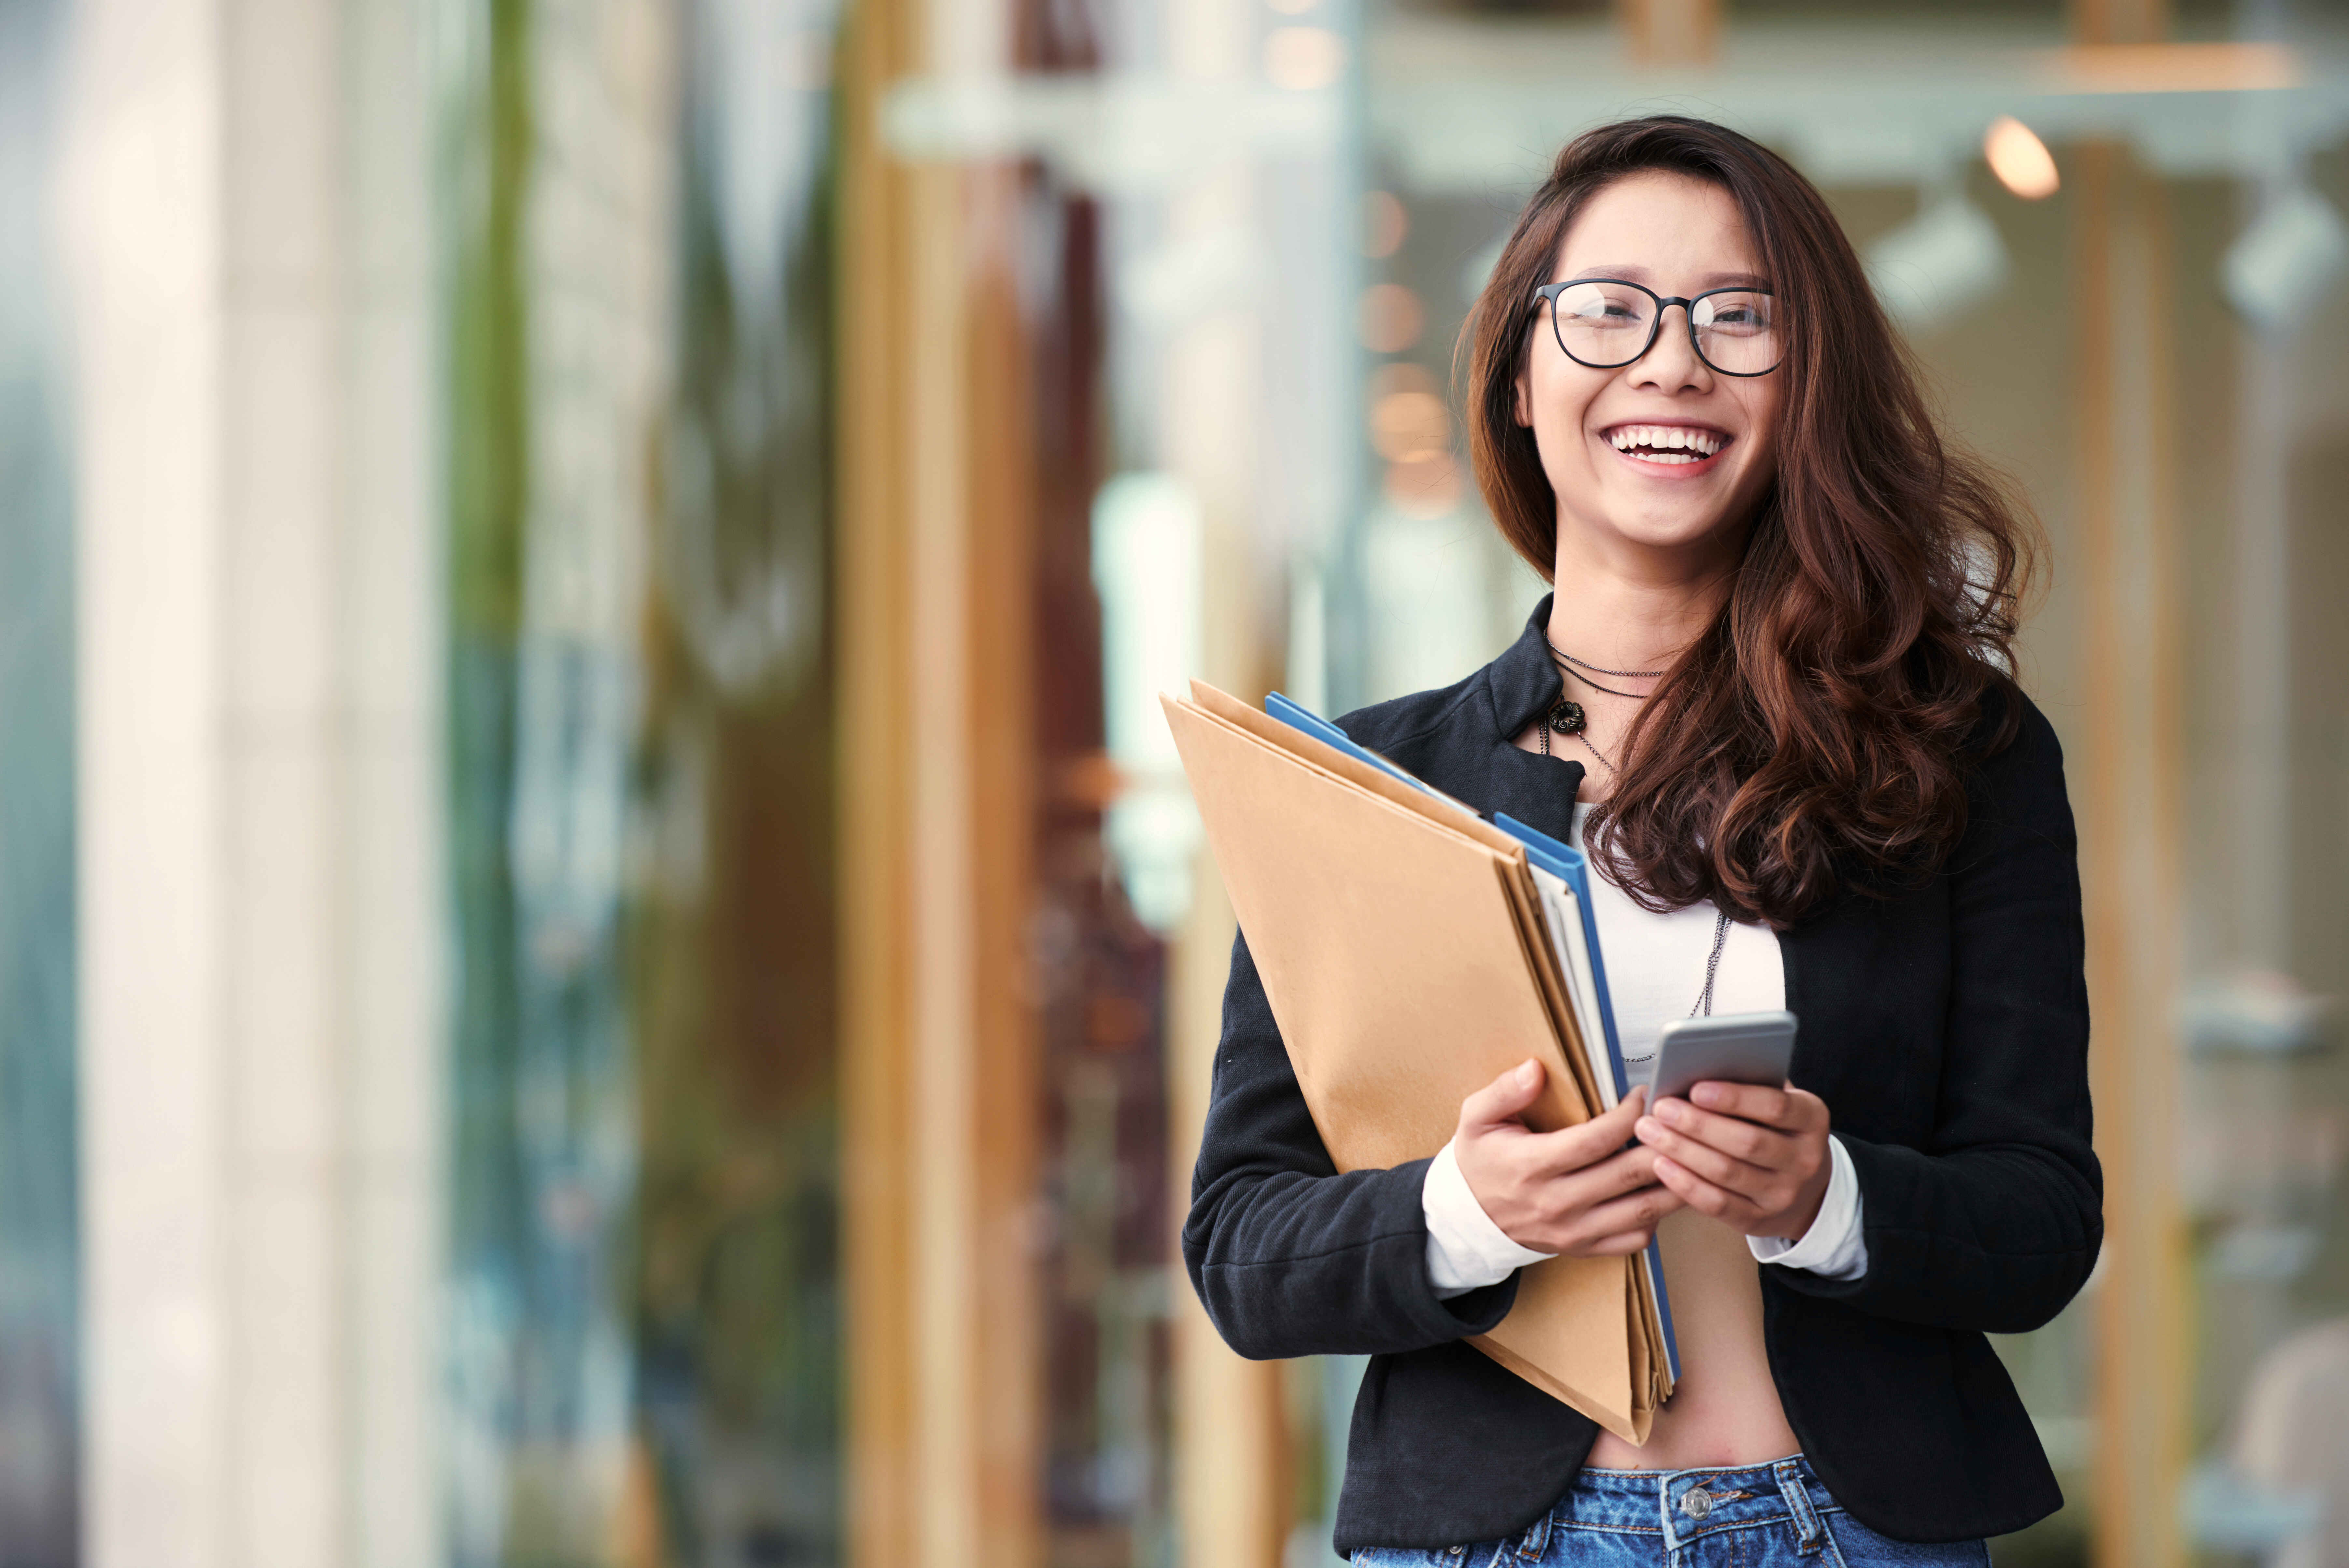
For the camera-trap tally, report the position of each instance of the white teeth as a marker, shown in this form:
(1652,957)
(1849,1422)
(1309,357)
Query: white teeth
(1665,443)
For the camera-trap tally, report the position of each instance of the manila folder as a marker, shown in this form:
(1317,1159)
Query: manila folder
(1403,983)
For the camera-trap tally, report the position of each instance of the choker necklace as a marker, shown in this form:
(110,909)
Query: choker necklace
(1603,670)
(1579,675)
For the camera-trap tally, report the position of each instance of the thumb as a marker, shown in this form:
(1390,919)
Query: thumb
(1502,1099)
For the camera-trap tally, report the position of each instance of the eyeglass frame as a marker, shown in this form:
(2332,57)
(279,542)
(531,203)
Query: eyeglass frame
(1550,291)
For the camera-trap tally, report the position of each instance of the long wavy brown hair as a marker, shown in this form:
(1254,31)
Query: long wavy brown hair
(1817,733)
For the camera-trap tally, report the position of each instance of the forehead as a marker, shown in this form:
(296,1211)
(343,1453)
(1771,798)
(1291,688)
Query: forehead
(1656,227)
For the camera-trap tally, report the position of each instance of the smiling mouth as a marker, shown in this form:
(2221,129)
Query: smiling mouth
(1671,446)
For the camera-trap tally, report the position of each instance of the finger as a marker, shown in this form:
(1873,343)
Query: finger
(1621,1246)
(1625,1171)
(1586,1143)
(1640,1211)
(1504,1098)
(1700,1194)
(1712,1164)
(1733,1135)
(1748,1102)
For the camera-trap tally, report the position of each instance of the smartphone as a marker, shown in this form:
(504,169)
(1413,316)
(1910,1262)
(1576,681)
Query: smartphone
(1733,1048)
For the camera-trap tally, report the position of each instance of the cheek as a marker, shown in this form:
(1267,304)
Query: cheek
(1762,426)
(1561,404)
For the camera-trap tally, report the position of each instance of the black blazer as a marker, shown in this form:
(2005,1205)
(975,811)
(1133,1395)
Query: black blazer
(1946,1027)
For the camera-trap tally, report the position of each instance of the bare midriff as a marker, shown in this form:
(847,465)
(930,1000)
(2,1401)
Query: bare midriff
(1725,1409)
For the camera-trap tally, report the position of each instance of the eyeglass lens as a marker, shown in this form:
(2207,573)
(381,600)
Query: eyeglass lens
(1608,324)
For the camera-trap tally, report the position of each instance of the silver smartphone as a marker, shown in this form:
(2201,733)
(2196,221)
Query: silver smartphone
(1733,1048)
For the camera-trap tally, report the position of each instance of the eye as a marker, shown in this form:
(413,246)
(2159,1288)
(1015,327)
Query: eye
(1597,306)
(1737,313)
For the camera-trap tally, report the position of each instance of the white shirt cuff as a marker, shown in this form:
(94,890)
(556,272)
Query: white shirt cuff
(1834,1247)
(1465,1250)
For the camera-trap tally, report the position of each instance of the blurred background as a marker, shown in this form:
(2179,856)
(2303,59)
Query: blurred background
(602,956)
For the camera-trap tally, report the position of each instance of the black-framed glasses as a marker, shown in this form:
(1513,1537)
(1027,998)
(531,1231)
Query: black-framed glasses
(1607,323)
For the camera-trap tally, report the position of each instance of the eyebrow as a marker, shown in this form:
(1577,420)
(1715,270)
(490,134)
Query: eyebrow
(1633,271)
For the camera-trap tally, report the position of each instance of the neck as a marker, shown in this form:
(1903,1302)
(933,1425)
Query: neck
(1631,607)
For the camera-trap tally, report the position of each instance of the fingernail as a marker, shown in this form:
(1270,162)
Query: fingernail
(1706,1095)
(1526,1074)
(1667,1111)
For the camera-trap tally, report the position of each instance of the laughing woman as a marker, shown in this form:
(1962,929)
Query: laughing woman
(1770,695)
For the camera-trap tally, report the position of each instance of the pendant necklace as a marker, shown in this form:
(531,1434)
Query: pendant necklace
(1567,717)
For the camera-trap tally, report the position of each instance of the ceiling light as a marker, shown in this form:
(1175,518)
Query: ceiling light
(1939,265)
(2285,263)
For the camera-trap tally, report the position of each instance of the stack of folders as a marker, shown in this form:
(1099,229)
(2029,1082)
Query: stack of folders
(1412,952)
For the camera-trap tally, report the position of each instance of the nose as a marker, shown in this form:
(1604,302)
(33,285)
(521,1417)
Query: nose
(1670,363)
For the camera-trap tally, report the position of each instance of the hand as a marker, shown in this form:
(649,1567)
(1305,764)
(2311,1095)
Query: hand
(1575,1190)
(1753,1157)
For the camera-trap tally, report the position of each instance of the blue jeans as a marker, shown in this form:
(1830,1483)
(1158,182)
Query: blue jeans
(1762,1516)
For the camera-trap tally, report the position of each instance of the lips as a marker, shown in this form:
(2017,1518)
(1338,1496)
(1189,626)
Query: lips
(1673,446)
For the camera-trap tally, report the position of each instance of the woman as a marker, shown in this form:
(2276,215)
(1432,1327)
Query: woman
(1770,694)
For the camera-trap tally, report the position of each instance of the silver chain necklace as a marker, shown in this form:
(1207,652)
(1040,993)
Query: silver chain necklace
(1703,1008)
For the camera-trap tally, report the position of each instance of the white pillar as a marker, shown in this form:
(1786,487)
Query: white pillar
(246,211)
(393,1001)
(141,182)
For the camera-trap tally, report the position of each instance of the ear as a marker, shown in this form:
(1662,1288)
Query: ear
(1521,395)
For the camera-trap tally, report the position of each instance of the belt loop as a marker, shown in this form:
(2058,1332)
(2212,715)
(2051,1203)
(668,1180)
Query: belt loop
(1536,1540)
(1797,1494)
(1665,1510)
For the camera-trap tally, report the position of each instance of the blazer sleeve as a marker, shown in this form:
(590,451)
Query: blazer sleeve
(1994,1224)
(1290,1257)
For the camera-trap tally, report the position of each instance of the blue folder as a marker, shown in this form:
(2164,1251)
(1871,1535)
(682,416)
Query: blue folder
(1568,864)
(1320,729)
(1561,860)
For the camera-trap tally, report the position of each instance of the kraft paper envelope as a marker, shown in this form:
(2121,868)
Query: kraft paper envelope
(1400,945)
(1516,878)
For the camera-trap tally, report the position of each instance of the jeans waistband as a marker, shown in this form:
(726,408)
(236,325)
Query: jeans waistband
(1675,1507)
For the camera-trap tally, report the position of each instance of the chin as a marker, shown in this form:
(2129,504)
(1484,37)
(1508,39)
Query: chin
(1675,532)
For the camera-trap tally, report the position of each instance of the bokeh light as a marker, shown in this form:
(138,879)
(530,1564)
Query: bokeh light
(1392,318)
(1303,58)
(2020,160)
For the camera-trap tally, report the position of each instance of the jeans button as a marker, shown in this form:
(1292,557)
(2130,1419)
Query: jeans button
(1696,1503)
